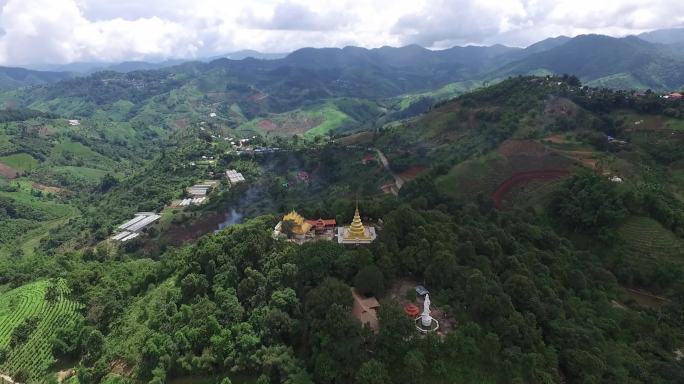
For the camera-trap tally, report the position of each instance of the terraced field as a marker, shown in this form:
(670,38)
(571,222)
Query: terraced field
(35,354)
(20,161)
(490,174)
(647,238)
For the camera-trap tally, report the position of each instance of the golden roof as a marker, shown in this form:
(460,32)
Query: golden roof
(356,231)
(300,227)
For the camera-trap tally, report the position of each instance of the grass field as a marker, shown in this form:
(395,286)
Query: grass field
(332,119)
(56,214)
(75,148)
(310,122)
(469,178)
(446,92)
(83,172)
(35,354)
(676,124)
(618,80)
(22,162)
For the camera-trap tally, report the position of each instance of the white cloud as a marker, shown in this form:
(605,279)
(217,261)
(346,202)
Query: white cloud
(60,31)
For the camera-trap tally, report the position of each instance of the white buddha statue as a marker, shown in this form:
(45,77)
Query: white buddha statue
(425,318)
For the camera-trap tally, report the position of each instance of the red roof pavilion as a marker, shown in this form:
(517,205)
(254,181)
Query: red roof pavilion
(411,310)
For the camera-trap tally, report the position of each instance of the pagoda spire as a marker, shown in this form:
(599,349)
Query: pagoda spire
(356,233)
(356,229)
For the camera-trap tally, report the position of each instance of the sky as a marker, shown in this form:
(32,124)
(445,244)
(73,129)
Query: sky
(37,32)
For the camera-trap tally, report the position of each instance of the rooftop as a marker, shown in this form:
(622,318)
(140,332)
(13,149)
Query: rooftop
(364,309)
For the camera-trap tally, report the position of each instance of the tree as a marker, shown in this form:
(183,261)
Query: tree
(22,375)
(93,344)
(286,227)
(337,347)
(372,372)
(413,366)
(395,329)
(193,285)
(587,202)
(369,281)
(52,293)
(319,300)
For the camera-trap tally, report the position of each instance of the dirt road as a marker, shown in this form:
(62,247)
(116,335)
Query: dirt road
(398,181)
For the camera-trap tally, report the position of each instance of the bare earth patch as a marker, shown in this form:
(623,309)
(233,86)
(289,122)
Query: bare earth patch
(356,138)
(121,367)
(46,188)
(65,374)
(291,125)
(518,147)
(7,171)
(268,125)
(412,172)
(182,124)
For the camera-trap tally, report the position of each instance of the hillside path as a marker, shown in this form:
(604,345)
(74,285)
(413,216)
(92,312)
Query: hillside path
(398,181)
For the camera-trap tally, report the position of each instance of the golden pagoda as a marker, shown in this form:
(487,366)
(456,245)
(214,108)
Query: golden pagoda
(356,230)
(300,227)
(356,233)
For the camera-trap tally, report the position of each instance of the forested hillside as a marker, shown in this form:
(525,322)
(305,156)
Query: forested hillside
(546,218)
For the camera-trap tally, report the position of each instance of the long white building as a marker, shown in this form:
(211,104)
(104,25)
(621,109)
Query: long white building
(133,228)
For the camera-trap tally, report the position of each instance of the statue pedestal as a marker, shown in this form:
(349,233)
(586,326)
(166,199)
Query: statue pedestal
(432,326)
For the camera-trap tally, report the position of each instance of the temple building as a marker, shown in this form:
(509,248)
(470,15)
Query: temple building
(322,226)
(356,233)
(303,230)
(300,228)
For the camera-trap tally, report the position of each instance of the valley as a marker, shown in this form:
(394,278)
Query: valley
(297,212)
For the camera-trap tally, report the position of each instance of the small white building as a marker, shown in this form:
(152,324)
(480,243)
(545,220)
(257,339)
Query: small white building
(234,177)
(74,123)
(213,114)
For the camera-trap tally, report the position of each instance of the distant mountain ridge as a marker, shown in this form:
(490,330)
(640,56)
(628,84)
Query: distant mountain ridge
(664,36)
(598,58)
(629,62)
(13,77)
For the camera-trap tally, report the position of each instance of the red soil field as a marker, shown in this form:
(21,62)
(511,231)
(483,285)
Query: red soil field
(517,147)
(7,171)
(356,138)
(524,177)
(179,234)
(412,172)
(295,124)
(267,125)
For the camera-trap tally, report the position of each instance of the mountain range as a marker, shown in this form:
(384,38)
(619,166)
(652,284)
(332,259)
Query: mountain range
(651,60)
(397,82)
